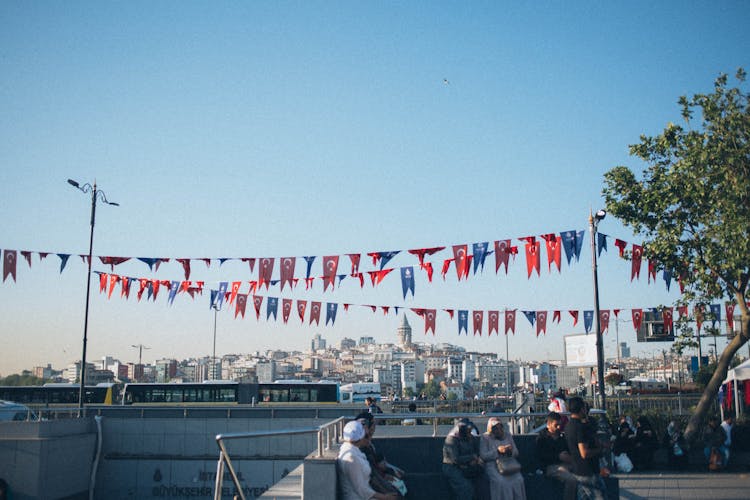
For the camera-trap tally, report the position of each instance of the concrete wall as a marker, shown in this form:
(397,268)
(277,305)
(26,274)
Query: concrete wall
(48,459)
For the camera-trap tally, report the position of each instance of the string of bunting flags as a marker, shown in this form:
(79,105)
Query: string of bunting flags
(537,319)
(567,242)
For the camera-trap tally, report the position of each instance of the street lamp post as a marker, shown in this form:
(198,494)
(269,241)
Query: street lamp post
(95,195)
(594,220)
(140,348)
(216,309)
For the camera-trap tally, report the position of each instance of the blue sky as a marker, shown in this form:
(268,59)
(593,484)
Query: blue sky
(255,129)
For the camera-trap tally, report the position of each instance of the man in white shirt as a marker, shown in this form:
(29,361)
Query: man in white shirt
(727,426)
(353,468)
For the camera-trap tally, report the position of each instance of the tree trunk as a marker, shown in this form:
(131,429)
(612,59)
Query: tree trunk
(692,431)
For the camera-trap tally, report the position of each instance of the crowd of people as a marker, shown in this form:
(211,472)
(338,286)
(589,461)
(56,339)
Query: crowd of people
(572,449)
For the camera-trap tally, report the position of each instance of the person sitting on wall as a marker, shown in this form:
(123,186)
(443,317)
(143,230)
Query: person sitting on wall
(461,462)
(727,425)
(714,439)
(674,442)
(496,444)
(384,477)
(353,468)
(645,444)
(552,450)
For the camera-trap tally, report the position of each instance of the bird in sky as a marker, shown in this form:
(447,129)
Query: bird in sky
(446,82)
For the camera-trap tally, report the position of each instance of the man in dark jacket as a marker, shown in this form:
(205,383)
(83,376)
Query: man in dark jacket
(585,449)
(554,456)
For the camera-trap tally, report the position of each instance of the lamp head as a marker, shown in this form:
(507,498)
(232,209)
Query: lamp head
(74,183)
(600,214)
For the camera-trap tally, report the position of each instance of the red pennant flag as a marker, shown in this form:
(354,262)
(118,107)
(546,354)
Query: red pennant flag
(729,307)
(330,265)
(461,261)
(286,309)
(113,279)
(637,318)
(532,255)
(125,290)
(427,266)
(186,267)
(478,320)
(510,321)
(354,257)
(253,286)
(43,255)
(346,307)
(667,315)
(241,305)
(155,285)
(450,312)
(373,308)
(575,317)
(257,302)
(27,255)
(502,254)
(315,312)
(207,261)
(301,306)
(287,270)
(651,270)
(604,320)
(621,246)
(493,319)
(185,286)
(616,311)
(235,289)
(541,322)
(103,279)
(9,264)
(377,276)
(429,321)
(250,261)
(421,252)
(698,311)
(446,266)
(556,317)
(635,268)
(361,278)
(113,261)
(386,310)
(142,282)
(265,271)
(554,246)
(309,283)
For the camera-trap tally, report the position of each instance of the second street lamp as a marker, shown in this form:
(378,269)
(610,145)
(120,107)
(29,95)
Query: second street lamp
(100,196)
(593,223)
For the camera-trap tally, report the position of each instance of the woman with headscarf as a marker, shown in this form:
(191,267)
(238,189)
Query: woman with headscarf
(461,462)
(497,443)
(354,470)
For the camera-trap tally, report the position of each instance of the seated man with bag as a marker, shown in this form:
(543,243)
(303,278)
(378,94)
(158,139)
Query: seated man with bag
(461,462)
(552,449)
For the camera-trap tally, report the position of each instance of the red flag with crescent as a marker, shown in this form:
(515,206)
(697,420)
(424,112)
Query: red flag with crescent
(142,284)
(478,320)
(103,278)
(286,309)
(330,265)
(354,257)
(287,271)
(315,312)
(301,306)
(429,321)
(257,302)
(554,247)
(637,318)
(621,245)
(698,311)
(667,315)
(604,320)
(241,305)
(502,254)
(532,255)
(125,290)
(635,268)
(541,322)
(9,264)
(113,279)
(651,270)
(493,319)
(510,321)
(235,290)
(729,307)
(265,271)
(461,260)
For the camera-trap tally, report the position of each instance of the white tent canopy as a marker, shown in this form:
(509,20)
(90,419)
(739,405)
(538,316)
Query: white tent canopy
(739,372)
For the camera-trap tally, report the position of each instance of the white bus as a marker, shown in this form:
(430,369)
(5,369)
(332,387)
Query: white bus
(357,393)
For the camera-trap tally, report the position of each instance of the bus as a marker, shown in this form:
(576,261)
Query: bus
(218,392)
(61,394)
(358,392)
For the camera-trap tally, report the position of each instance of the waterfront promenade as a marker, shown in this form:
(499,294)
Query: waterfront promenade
(685,485)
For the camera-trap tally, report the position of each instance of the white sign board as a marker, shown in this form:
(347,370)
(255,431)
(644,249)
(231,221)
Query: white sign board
(580,350)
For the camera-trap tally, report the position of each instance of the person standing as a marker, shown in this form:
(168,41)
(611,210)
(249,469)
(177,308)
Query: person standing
(552,450)
(584,448)
(372,405)
(727,425)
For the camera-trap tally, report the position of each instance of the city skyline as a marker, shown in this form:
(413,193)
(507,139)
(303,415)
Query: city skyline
(321,129)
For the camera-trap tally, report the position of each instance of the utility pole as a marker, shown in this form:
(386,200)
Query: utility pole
(140,348)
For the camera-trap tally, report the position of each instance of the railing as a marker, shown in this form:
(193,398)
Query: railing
(328,434)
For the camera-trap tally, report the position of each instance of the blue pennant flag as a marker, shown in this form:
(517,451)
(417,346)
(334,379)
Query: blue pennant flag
(341,278)
(386,256)
(530,315)
(174,287)
(716,311)
(331,309)
(407,280)
(601,243)
(222,292)
(480,253)
(588,320)
(272,307)
(222,260)
(150,287)
(309,261)
(579,243)
(463,322)
(150,261)
(569,244)
(63,260)
(214,293)
(667,275)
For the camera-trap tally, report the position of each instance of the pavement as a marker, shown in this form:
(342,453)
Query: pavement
(685,485)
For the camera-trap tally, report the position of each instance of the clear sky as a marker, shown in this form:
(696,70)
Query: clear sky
(270,129)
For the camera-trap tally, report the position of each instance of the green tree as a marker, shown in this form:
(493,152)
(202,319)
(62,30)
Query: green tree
(432,389)
(692,207)
(25,378)
(613,379)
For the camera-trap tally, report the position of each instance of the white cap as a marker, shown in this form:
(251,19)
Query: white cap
(353,431)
